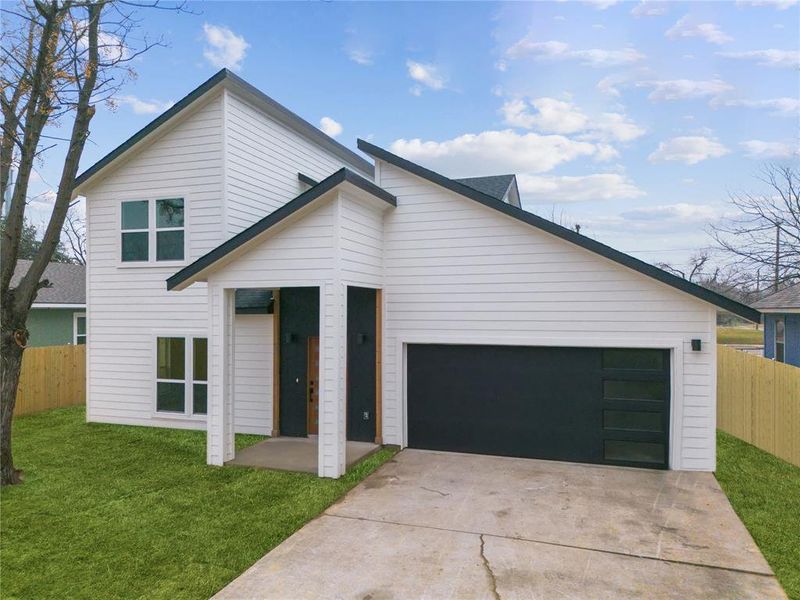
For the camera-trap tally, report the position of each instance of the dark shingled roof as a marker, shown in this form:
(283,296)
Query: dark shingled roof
(68,283)
(495,186)
(786,298)
(257,301)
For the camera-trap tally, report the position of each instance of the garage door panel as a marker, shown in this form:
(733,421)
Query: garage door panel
(540,402)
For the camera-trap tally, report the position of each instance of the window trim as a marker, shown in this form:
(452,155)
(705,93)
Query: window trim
(152,230)
(188,383)
(782,343)
(75,335)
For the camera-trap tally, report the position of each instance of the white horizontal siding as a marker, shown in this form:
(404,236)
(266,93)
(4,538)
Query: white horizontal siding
(129,305)
(455,269)
(252,406)
(360,242)
(263,160)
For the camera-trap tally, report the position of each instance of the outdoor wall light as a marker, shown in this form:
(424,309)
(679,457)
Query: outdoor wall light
(697,345)
(361,338)
(290,338)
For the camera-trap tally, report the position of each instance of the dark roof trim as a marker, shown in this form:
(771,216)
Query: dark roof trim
(275,217)
(281,112)
(626,260)
(306,179)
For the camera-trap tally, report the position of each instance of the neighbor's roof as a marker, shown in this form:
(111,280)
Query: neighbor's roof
(261,100)
(566,234)
(243,237)
(495,186)
(68,283)
(788,297)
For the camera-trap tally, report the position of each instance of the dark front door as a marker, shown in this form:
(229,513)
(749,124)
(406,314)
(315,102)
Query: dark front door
(299,321)
(361,371)
(574,404)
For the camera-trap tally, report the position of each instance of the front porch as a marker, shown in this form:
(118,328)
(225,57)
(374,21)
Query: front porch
(296,454)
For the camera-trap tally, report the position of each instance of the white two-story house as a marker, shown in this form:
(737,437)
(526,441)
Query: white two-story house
(247,273)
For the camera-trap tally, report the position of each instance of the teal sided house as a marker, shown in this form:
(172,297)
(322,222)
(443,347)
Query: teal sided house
(58,315)
(781,312)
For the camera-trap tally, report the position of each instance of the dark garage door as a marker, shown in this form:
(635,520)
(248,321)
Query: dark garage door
(591,405)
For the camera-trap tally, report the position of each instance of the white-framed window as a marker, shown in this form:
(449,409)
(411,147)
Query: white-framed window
(152,230)
(182,375)
(780,339)
(78,328)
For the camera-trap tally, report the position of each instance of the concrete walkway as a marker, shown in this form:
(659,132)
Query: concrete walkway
(295,454)
(439,525)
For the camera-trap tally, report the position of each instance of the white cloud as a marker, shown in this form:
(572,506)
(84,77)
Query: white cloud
(690,150)
(495,151)
(360,56)
(144,107)
(710,32)
(330,127)
(501,65)
(649,9)
(554,50)
(602,4)
(779,4)
(426,74)
(557,116)
(559,18)
(223,47)
(685,89)
(415,90)
(788,59)
(765,150)
(681,211)
(600,186)
(110,47)
(778,107)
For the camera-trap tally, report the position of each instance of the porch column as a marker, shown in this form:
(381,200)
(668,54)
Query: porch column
(220,437)
(332,364)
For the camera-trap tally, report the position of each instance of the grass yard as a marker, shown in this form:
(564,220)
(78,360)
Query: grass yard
(740,335)
(765,492)
(109,511)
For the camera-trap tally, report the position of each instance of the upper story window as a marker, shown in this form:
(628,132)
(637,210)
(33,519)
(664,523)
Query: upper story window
(780,337)
(152,230)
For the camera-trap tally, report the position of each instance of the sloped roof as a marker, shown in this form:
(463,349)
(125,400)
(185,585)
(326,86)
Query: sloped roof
(495,186)
(267,104)
(275,217)
(788,297)
(68,282)
(568,235)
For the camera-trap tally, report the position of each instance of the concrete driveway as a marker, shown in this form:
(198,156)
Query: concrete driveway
(441,525)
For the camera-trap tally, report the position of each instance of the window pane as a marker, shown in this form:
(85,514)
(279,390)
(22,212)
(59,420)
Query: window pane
(200,399)
(134,246)
(618,358)
(780,330)
(170,397)
(134,214)
(81,323)
(169,213)
(81,340)
(171,363)
(779,352)
(200,371)
(169,245)
(650,452)
(632,420)
(634,390)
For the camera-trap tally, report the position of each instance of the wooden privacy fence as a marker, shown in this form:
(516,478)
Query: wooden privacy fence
(52,377)
(758,400)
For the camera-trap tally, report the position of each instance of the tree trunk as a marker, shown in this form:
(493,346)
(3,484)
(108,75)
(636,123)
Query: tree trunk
(10,368)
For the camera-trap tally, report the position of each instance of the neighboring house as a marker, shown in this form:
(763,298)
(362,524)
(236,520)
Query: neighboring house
(58,315)
(382,302)
(782,325)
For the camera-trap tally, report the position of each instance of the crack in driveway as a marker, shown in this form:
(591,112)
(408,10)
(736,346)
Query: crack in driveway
(433,491)
(489,571)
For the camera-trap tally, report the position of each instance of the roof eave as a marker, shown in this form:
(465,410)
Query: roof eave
(626,260)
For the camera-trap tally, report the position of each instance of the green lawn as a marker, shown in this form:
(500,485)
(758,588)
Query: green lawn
(109,511)
(740,335)
(765,492)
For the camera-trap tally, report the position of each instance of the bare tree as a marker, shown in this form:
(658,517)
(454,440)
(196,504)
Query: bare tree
(764,236)
(60,59)
(75,234)
(693,271)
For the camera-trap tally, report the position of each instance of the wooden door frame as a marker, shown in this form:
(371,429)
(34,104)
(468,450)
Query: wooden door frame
(276,363)
(378,366)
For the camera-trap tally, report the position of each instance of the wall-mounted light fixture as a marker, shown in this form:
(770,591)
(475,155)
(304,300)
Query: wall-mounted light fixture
(697,345)
(289,338)
(361,338)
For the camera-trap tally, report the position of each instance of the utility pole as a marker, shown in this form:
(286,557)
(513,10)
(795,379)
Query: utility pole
(777,254)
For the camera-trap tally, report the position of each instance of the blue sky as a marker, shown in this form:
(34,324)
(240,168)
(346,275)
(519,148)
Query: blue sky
(633,119)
